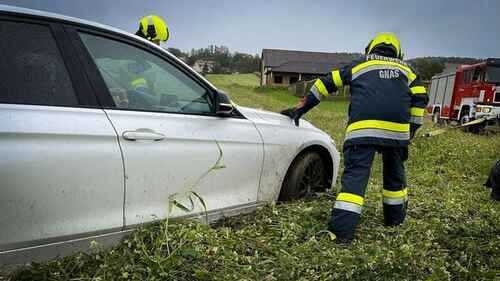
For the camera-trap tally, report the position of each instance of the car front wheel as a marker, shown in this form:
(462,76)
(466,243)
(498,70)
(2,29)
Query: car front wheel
(306,176)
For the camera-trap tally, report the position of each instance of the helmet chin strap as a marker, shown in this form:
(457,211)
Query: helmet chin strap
(383,50)
(151,32)
(386,51)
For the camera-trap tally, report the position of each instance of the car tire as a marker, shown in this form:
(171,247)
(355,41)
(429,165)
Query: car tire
(475,129)
(464,118)
(306,175)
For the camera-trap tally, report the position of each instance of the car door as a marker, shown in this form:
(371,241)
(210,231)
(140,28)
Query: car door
(61,172)
(169,134)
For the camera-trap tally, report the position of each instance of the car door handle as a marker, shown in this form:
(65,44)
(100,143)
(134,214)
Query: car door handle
(143,134)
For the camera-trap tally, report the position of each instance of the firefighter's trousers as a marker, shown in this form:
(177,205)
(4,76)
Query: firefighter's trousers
(357,164)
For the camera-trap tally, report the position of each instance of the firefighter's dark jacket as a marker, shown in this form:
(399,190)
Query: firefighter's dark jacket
(387,100)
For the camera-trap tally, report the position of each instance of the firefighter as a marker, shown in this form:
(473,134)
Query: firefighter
(493,181)
(387,107)
(154,29)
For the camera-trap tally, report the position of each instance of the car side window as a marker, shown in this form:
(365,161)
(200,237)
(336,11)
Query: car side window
(140,80)
(33,71)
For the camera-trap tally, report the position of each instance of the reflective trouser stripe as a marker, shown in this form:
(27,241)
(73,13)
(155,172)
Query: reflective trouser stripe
(350,197)
(395,194)
(347,206)
(417,120)
(377,133)
(349,202)
(392,201)
(395,197)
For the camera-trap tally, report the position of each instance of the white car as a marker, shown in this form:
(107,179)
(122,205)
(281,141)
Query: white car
(100,129)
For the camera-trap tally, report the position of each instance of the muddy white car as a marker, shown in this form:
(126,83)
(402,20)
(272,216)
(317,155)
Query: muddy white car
(100,129)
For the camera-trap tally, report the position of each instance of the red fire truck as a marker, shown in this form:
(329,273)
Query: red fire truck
(472,92)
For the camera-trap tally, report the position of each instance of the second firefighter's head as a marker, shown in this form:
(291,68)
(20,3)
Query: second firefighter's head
(385,44)
(153,28)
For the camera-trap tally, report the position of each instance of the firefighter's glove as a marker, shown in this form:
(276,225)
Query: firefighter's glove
(293,113)
(305,104)
(412,134)
(413,130)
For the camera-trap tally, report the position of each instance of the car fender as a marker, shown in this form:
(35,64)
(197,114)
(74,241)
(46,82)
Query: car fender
(283,142)
(277,163)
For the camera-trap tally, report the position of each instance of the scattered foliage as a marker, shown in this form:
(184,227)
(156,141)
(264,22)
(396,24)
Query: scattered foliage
(452,231)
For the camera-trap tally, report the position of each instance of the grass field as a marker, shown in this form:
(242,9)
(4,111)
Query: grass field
(452,231)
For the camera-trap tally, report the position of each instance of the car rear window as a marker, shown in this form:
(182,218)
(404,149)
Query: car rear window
(33,71)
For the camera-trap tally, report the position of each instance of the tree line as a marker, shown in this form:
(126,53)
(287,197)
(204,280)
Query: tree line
(430,66)
(224,60)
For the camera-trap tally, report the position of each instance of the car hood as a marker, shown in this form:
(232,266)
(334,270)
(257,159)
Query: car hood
(272,118)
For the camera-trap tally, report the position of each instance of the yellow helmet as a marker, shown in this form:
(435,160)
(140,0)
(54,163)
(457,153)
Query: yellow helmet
(385,38)
(153,28)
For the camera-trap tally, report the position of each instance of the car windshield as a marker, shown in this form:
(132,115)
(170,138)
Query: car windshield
(493,74)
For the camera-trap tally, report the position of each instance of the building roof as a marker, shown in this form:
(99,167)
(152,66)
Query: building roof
(305,62)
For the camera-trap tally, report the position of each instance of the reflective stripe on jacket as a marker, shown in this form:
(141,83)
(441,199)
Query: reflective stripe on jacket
(386,96)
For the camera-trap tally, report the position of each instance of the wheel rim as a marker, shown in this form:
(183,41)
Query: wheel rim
(435,117)
(465,119)
(313,178)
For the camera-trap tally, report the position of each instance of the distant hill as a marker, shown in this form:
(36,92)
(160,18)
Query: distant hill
(231,62)
(430,66)
(457,60)
(224,60)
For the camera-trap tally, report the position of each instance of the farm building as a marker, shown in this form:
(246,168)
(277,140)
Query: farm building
(285,67)
(201,66)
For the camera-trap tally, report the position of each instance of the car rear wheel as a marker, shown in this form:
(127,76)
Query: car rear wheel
(306,176)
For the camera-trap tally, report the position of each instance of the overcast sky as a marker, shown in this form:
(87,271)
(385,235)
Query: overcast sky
(426,27)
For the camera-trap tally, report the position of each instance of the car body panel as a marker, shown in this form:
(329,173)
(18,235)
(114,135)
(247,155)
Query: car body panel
(283,141)
(157,169)
(118,184)
(11,259)
(54,162)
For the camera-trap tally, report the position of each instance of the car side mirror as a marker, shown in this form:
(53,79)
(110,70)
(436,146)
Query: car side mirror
(223,106)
